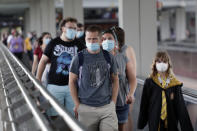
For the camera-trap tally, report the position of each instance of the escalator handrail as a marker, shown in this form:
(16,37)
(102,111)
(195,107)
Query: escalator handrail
(40,120)
(70,121)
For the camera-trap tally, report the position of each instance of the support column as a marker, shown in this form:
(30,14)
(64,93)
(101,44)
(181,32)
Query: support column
(47,8)
(165,25)
(196,24)
(27,21)
(35,24)
(74,8)
(138,19)
(42,16)
(180,24)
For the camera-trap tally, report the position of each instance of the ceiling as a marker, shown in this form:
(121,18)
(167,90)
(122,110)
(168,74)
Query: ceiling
(14,8)
(10,7)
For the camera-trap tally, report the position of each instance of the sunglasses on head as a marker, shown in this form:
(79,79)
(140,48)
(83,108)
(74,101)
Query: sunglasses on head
(114,28)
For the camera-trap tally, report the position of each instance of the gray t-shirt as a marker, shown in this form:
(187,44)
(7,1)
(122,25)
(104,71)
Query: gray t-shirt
(94,83)
(122,61)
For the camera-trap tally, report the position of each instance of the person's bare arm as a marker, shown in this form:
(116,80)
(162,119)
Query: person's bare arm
(131,73)
(41,66)
(24,47)
(9,45)
(115,86)
(35,65)
(73,91)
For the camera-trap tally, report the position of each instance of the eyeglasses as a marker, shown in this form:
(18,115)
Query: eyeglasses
(113,29)
(107,31)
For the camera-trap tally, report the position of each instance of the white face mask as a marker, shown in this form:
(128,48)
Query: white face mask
(29,35)
(161,67)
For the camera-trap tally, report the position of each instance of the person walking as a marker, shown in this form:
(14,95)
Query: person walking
(113,41)
(162,104)
(60,52)
(95,71)
(16,45)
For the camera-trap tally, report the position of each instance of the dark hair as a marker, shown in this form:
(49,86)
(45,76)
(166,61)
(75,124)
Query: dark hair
(120,36)
(79,25)
(164,56)
(108,31)
(64,21)
(94,28)
(40,39)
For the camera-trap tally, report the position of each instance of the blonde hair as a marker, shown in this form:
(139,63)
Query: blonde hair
(165,57)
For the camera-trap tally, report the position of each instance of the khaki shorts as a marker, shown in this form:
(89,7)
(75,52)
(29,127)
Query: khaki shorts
(102,118)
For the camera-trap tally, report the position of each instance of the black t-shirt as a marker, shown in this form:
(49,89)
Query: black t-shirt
(60,54)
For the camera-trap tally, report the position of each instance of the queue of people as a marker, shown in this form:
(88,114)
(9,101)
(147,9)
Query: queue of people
(92,73)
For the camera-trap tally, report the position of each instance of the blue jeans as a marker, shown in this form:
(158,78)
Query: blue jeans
(62,95)
(122,113)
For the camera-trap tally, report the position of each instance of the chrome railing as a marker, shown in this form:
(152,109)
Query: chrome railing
(10,114)
(71,122)
(27,98)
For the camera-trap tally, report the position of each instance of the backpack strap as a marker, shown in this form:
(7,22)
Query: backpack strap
(80,56)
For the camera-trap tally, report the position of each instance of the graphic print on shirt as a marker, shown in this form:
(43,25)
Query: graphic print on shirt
(64,59)
(98,73)
(16,46)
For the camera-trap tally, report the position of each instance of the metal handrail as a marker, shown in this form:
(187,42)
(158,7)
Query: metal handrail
(71,122)
(35,111)
(10,114)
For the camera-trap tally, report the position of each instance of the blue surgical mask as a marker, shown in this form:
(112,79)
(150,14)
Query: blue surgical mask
(70,34)
(108,45)
(79,34)
(93,46)
(46,41)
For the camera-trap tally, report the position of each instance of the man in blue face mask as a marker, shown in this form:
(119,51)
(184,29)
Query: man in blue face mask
(80,36)
(80,31)
(60,52)
(95,71)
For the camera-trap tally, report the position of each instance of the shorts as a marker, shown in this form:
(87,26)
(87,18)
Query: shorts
(122,113)
(101,118)
(62,95)
(19,55)
(30,54)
